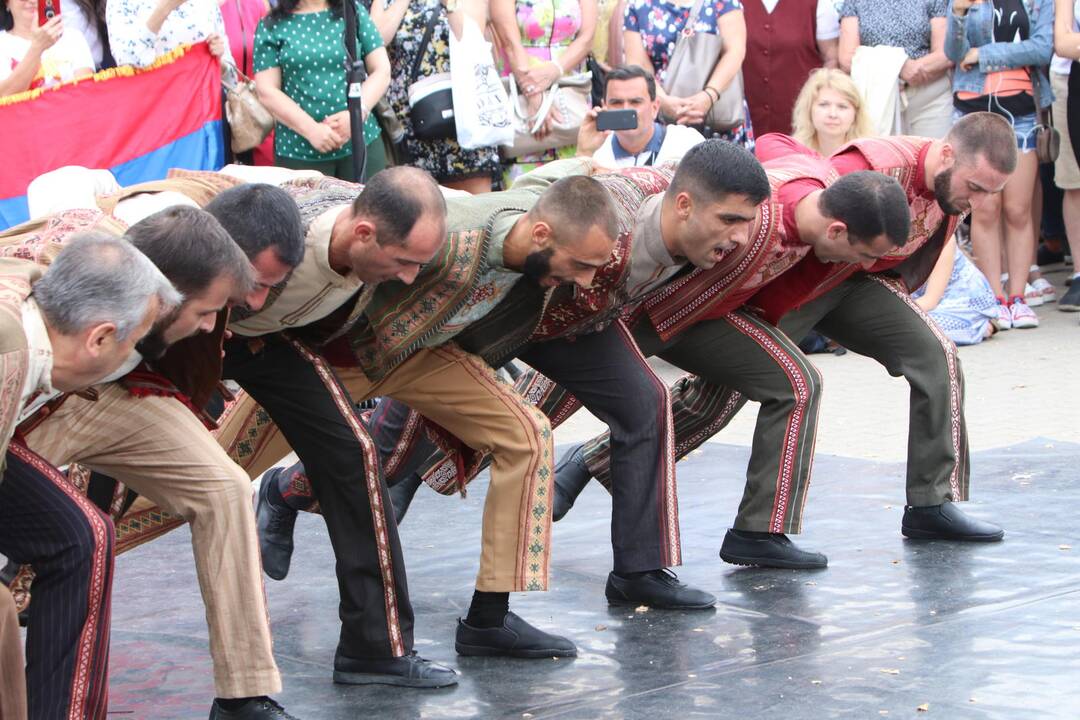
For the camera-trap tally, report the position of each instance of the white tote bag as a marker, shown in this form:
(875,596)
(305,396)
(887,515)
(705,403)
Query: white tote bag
(481,107)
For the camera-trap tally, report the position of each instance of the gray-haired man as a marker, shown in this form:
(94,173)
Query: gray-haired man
(60,332)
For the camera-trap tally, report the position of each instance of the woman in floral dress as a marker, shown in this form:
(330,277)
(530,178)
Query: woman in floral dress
(652,28)
(402,23)
(541,41)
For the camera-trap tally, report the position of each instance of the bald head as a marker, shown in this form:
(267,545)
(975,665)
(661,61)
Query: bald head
(395,199)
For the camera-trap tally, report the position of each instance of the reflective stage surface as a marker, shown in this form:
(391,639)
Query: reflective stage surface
(893,628)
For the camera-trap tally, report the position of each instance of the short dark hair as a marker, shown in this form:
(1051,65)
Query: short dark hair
(629,72)
(714,169)
(260,216)
(870,204)
(395,198)
(986,134)
(191,248)
(573,205)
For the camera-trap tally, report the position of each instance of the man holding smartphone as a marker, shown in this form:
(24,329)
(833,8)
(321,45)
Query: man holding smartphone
(626,132)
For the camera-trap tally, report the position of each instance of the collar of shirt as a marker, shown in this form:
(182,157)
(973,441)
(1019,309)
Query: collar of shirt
(788,195)
(919,186)
(651,150)
(500,228)
(647,231)
(37,388)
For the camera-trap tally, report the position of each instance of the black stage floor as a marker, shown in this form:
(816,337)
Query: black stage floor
(893,628)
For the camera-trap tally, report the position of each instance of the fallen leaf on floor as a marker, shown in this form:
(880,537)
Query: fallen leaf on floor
(925,707)
(600,628)
(889,671)
(815,682)
(641,609)
(1064,547)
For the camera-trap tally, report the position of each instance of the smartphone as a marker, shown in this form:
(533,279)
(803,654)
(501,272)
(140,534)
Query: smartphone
(47,10)
(616,120)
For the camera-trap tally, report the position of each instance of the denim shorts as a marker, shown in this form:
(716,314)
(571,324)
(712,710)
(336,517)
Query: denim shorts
(1023,127)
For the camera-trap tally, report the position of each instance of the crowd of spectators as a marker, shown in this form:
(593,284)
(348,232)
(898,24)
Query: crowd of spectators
(824,71)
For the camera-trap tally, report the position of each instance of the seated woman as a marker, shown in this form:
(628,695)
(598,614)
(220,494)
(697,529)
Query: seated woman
(33,56)
(829,112)
(958,297)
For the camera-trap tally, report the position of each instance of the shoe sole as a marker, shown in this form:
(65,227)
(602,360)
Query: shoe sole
(770,563)
(626,602)
(914,534)
(485,651)
(1025,325)
(1068,307)
(350,678)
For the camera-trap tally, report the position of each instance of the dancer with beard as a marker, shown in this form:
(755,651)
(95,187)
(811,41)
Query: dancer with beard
(867,308)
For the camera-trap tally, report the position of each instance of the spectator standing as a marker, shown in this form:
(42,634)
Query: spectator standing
(917,26)
(631,87)
(607,46)
(541,41)
(34,56)
(1000,48)
(652,27)
(1065,79)
(88,17)
(241,17)
(140,31)
(786,40)
(300,76)
(401,25)
(829,112)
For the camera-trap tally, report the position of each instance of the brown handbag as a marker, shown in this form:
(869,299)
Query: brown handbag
(1047,137)
(249,121)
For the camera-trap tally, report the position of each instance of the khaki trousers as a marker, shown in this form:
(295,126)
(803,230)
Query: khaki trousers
(158,448)
(462,393)
(929,108)
(12,671)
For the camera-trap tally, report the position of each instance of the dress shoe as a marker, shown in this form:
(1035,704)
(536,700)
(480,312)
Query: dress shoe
(402,494)
(946,522)
(275,527)
(571,477)
(264,709)
(659,589)
(514,638)
(408,671)
(774,550)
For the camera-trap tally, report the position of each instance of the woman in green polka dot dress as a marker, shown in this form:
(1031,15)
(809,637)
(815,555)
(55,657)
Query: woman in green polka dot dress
(300,76)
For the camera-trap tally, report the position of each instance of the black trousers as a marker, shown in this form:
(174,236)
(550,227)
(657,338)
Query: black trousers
(316,416)
(607,374)
(46,522)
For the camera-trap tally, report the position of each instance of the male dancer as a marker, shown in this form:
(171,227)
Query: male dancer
(61,331)
(873,315)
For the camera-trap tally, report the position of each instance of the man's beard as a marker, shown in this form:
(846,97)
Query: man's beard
(537,266)
(153,345)
(942,188)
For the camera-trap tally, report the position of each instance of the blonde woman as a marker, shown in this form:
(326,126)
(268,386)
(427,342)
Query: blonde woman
(829,112)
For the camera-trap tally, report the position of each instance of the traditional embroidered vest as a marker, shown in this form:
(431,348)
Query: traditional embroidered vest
(400,318)
(899,157)
(705,294)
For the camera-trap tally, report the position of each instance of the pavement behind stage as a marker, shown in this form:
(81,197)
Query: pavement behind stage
(969,631)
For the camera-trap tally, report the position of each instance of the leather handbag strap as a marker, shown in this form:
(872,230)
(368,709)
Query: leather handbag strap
(429,28)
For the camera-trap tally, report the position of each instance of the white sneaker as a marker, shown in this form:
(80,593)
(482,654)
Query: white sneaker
(1043,286)
(1032,296)
(1023,317)
(1003,321)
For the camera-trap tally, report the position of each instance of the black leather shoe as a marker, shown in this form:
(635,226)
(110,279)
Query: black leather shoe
(946,522)
(514,638)
(265,709)
(772,550)
(408,671)
(402,495)
(658,589)
(275,527)
(571,477)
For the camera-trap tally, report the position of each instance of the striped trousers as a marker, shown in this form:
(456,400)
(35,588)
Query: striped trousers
(45,521)
(12,669)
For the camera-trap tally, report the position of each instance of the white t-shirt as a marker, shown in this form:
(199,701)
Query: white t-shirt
(75,18)
(58,63)
(677,140)
(1059,64)
(828,19)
